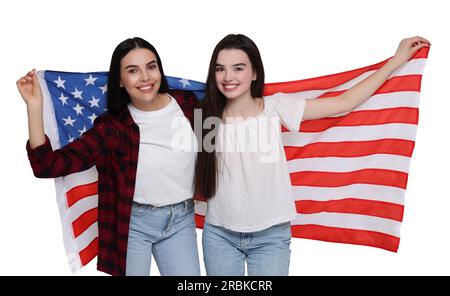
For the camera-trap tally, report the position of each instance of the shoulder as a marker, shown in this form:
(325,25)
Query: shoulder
(284,100)
(105,119)
(270,101)
(108,121)
(276,97)
(186,100)
(273,98)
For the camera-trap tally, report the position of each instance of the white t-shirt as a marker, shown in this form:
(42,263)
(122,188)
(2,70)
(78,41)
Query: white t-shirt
(167,155)
(254,187)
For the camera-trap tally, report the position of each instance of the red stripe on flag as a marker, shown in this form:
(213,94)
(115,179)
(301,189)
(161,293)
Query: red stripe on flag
(351,149)
(354,206)
(84,221)
(199,220)
(422,53)
(88,253)
(322,82)
(80,192)
(284,129)
(366,117)
(347,236)
(395,84)
(401,83)
(328,81)
(335,179)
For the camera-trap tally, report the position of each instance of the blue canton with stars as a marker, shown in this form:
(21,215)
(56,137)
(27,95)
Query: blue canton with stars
(79,98)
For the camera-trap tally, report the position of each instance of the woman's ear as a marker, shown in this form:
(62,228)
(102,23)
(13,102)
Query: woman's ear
(254,76)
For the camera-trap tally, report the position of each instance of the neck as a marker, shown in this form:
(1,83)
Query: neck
(159,102)
(239,106)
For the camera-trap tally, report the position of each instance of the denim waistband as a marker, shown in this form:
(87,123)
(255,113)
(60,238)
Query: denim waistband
(184,203)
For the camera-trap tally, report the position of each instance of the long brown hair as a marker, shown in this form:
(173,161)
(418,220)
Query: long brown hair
(214,104)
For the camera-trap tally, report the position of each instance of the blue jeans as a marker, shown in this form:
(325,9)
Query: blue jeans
(166,232)
(266,252)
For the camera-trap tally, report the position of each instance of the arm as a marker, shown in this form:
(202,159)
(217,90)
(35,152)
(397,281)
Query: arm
(354,96)
(46,163)
(75,157)
(30,90)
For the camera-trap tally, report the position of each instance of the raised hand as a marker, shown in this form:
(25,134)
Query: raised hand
(360,92)
(30,89)
(408,47)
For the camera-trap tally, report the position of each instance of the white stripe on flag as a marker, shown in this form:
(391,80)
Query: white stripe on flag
(350,221)
(388,100)
(82,206)
(200,207)
(84,239)
(352,133)
(349,164)
(86,177)
(363,191)
(414,67)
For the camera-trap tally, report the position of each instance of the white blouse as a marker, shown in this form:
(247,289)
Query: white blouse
(254,187)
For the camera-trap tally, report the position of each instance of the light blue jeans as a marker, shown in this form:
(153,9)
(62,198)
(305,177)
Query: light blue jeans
(266,252)
(166,232)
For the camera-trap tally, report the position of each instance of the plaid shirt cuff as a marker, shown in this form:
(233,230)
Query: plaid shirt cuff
(40,152)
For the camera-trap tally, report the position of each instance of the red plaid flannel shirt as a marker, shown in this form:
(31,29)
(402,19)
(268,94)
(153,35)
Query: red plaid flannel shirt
(112,145)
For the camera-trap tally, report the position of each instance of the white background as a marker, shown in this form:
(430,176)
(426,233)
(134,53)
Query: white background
(297,40)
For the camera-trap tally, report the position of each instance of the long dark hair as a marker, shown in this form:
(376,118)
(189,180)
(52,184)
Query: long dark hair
(214,103)
(118,97)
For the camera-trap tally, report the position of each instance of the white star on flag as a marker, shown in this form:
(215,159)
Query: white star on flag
(83,130)
(77,94)
(63,99)
(94,102)
(185,82)
(104,88)
(90,80)
(92,117)
(69,121)
(78,109)
(59,82)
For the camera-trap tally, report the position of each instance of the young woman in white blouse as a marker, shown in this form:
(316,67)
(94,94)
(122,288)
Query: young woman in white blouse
(242,168)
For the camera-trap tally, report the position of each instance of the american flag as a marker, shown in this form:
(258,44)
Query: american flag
(348,172)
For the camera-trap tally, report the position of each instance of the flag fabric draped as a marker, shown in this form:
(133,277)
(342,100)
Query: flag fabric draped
(348,172)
